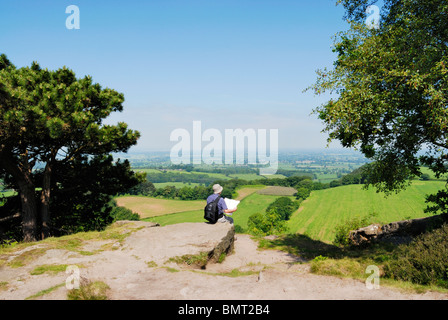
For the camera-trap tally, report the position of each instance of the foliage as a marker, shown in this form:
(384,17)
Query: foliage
(391,91)
(284,207)
(303,193)
(145,188)
(167,176)
(122,213)
(273,221)
(342,230)
(266,224)
(82,199)
(51,127)
(423,261)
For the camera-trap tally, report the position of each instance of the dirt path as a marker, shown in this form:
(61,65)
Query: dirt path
(248,273)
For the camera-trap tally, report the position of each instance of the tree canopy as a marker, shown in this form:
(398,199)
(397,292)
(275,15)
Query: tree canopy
(391,89)
(51,124)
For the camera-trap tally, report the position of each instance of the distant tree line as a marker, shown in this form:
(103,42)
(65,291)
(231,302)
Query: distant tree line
(357,176)
(223,170)
(158,177)
(303,184)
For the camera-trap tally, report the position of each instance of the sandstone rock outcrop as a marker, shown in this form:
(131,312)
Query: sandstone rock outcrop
(396,232)
(159,244)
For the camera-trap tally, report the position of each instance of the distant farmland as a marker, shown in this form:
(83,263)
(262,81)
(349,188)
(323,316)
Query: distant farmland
(278,191)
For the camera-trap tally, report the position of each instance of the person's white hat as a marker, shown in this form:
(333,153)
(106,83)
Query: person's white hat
(217,188)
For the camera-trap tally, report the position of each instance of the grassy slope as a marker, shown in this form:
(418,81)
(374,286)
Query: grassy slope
(325,209)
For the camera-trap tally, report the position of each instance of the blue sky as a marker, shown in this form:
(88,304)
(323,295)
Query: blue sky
(230,64)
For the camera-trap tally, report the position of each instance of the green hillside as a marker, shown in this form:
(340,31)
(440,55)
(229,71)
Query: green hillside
(325,209)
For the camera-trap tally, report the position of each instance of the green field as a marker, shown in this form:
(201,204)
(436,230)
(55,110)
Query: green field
(325,209)
(251,204)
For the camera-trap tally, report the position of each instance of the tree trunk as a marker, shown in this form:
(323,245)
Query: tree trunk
(29,212)
(45,202)
(22,175)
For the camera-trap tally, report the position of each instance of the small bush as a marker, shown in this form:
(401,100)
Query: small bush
(284,207)
(266,224)
(239,229)
(342,231)
(89,291)
(122,213)
(423,261)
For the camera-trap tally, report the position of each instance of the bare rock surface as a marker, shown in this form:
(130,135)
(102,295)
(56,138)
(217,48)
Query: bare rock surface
(140,266)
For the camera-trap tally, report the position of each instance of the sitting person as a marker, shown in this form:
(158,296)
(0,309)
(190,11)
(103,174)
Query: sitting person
(222,207)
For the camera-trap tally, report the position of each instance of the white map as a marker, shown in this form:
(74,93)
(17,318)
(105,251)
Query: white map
(231,203)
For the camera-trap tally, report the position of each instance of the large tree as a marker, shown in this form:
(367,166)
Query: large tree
(51,119)
(390,88)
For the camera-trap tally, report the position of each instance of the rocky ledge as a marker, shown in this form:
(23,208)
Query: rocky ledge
(160,244)
(398,232)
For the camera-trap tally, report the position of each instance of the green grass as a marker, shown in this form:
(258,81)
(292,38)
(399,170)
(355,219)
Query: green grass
(48,268)
(431,174)
(326,177)
(325,209)
(180,217)
(44,292)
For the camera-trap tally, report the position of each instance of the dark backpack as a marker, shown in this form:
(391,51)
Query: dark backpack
(211,211)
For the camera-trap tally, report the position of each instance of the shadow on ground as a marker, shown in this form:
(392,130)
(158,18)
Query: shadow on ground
(307,248)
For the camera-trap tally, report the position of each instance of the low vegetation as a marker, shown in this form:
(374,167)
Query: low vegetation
(88,290)
(418,266)
(273,221)
(423,261)
(198,261)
